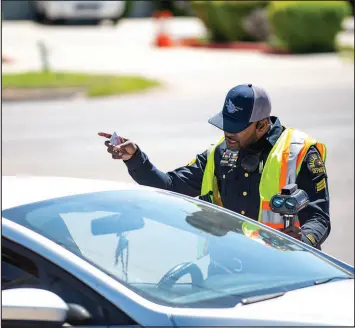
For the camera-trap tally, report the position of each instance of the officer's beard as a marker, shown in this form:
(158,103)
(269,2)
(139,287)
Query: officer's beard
(235,144)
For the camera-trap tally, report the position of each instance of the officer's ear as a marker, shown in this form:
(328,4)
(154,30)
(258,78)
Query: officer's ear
(262,126)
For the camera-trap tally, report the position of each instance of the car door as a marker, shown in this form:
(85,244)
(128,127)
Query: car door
(22,268)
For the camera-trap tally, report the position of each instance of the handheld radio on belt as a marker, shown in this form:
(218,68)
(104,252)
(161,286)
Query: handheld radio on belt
(289,202)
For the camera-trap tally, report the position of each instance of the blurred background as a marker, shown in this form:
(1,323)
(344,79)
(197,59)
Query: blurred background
(155,71)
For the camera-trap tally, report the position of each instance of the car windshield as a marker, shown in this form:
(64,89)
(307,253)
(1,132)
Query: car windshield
(175,250)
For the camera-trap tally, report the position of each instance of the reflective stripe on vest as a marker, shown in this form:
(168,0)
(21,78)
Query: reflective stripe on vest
(209,186)
(281,168)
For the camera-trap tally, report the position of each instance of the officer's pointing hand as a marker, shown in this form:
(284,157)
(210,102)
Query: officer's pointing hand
(123,151)
(293,231)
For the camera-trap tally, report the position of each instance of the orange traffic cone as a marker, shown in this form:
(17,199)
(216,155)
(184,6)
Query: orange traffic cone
(163,39)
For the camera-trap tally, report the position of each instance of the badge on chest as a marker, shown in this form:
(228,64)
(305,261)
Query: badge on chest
(229,158)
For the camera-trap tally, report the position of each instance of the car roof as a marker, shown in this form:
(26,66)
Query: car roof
(20,190)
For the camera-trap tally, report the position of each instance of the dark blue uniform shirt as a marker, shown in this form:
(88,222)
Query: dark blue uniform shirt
(240,189)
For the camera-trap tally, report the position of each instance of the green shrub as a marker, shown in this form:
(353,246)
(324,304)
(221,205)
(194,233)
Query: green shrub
(225,19)
(178,9)
(307,26)
(204,11)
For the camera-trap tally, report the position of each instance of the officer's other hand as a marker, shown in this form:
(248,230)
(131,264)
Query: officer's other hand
(125,150)
(293,231)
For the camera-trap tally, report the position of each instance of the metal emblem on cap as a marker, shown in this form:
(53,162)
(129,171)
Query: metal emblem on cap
(231,108)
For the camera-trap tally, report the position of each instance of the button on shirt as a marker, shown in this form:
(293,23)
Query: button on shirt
(239,188)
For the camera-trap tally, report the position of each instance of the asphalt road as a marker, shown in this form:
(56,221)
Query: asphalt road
(312,93)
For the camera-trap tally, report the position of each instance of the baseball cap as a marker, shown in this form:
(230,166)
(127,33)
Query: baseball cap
(244,105)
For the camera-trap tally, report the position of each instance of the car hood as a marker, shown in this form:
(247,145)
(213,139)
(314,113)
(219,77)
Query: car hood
(328,304)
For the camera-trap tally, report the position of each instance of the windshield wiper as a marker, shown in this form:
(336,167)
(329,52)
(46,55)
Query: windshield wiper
(260,298)
(324,281)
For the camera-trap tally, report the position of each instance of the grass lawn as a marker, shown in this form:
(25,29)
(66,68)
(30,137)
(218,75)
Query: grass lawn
(97,84)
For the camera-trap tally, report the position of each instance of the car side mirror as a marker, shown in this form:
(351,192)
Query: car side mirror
(23,307)
(77,315)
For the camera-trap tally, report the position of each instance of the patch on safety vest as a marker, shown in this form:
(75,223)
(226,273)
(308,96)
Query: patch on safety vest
(315,164)
(311,238)
(321,185)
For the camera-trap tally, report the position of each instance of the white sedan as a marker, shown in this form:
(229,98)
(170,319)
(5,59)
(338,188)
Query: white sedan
(73,10)
(89,252)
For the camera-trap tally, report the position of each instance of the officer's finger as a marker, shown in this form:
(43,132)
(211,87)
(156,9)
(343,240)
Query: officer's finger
(290,229)
(122,140)
(105,135)
(114,149)
(295,229)
(107,143)
(110,150)
(124,143)
(117,156)
(121,148)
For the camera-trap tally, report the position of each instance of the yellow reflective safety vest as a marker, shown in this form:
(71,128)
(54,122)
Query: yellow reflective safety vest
(281,168)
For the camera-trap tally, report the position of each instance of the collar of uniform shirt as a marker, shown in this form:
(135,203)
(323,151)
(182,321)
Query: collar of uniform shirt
(274,133)
(270,138)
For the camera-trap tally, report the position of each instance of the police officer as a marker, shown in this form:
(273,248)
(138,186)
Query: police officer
(254,159)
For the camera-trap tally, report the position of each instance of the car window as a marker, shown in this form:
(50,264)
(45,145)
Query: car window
(17,271)
(23,268)
(175,250)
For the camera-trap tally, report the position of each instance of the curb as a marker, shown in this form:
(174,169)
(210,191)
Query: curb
(195,43)
(250,46)
(16,94)
(259,47)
